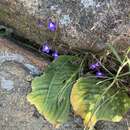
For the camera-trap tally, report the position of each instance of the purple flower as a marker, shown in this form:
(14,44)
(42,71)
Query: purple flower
(94,66)
(45,48)
(99,74)
(55,55)
(52,26)
(97,64)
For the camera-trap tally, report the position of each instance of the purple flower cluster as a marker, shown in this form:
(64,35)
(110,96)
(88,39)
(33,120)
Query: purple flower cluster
(52,26)
(46,49)
(96,67)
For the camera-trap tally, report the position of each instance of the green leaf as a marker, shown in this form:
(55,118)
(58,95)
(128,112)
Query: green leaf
(51,91)
(85,97)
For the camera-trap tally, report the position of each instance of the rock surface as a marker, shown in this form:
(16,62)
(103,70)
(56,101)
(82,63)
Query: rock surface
(102,125)
(82,24)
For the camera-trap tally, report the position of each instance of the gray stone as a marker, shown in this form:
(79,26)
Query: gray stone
(82,24)
(102,125)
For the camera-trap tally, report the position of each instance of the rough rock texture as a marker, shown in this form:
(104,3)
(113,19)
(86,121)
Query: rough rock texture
(102,125)
(82,24)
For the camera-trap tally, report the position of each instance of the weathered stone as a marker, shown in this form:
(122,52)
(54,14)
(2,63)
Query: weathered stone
(82,24)
(12,52)
(102,125)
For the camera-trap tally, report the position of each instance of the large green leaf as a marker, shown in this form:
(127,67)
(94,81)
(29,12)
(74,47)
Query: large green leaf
(51,91)
(91,104)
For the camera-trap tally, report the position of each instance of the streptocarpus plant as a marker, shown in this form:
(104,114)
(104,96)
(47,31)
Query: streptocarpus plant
(93,97)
